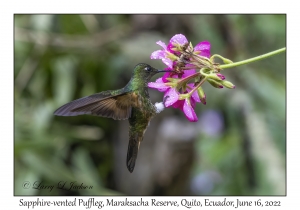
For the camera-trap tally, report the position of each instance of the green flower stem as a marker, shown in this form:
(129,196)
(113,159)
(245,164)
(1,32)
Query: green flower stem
(187,79)
(198,85)
(203,73)
(225,60)
(226,66)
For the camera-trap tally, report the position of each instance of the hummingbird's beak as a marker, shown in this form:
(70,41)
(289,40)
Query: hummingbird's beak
(158,71)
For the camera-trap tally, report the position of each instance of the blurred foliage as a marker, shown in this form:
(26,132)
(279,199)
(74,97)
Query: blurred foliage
(59,58)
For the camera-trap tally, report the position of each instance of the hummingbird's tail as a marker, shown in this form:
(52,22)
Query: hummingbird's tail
(133,148)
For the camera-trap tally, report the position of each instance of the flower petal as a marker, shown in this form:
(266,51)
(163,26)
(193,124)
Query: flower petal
(158,54)
(172,97)
(189,111)
(204,48)
(162,44)
(188,72)
(195,97)
(179,38)
(159,85)
(178,104)
(166,75)
(168,62)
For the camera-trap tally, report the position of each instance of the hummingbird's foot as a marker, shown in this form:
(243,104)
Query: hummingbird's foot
(159,107)
(165,98)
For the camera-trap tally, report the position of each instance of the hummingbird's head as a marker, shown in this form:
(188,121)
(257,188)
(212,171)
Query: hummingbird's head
(145,71)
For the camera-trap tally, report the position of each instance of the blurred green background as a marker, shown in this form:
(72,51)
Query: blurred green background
(238,146)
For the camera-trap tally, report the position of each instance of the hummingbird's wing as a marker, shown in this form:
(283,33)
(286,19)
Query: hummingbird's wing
(113,104)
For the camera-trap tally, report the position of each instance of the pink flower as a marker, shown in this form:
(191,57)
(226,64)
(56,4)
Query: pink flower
(168,56)
(159,85)
(203,48)
(162,54)
(167,75)
(177,39)
(195,97)
(186,73)
(189,112)
(171,96)
(187,106)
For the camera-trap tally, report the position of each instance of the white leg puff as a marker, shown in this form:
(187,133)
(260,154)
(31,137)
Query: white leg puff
(159,106)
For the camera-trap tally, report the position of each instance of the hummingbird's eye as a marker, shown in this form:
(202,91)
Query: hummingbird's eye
(148,68)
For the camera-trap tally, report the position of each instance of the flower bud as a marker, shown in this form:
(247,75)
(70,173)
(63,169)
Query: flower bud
(202,95)
(217,76)
(191,46)
(227,84)
(221,76)
(215,83)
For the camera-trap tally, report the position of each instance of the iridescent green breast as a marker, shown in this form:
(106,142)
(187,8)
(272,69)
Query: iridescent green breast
(142,113)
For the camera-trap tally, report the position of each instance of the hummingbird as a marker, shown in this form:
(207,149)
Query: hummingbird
(131,102)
